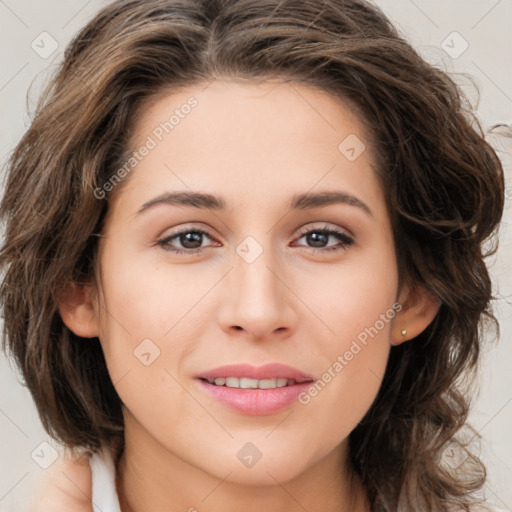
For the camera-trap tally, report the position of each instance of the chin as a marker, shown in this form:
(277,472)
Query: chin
(263,474)
(281,466)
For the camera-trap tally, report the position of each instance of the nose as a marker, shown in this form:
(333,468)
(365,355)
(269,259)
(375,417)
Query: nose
(257,299)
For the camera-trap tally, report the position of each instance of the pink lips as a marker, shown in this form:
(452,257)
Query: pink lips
(255,402)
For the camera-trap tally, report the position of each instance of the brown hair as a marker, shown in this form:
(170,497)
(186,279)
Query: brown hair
(443,183)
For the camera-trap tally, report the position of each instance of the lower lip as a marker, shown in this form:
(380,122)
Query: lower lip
(255,402)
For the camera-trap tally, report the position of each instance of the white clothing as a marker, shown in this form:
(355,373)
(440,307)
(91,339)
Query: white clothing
(104,494)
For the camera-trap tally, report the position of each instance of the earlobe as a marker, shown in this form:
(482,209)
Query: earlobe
(419,308)
(78,310)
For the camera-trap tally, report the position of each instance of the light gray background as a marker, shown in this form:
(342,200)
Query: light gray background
(484,25)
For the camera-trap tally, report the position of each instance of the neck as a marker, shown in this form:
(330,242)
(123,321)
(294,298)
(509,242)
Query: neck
(149,477)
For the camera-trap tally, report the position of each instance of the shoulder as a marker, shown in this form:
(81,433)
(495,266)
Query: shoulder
(65,485)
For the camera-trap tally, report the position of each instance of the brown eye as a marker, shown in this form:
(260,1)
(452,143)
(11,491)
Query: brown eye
(189,240)
(319,239)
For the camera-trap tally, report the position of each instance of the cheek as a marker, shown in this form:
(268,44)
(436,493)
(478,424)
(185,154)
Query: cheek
(357,305)
(152,320)
(352,297)
(147,299)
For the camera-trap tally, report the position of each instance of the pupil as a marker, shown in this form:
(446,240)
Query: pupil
(191,237)
(317,238)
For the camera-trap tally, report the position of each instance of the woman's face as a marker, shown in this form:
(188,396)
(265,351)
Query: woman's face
(256,281)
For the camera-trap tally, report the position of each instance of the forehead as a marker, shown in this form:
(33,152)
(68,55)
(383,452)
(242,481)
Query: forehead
(251,143)
(290,110)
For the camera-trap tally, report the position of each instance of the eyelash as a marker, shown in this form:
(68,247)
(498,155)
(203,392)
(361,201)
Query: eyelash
(346,240)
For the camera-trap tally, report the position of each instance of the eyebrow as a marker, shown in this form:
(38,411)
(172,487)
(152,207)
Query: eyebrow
(304,201)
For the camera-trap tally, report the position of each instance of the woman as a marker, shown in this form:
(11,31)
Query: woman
(243,261)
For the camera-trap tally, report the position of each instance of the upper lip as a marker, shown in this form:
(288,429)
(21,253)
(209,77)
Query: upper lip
(267,371)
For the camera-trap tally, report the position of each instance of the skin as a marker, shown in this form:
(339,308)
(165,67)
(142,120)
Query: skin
(298,303)
(66,485)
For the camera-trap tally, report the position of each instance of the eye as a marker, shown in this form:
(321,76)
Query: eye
(319,238)
(189,239)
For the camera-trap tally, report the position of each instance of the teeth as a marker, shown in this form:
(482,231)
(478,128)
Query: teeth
(247,383)
(269,383)
(232,382)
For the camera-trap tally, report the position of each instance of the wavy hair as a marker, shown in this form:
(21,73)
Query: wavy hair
(443,184)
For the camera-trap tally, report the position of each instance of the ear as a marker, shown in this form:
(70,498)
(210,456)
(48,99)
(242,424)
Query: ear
(419,309)
(78,310)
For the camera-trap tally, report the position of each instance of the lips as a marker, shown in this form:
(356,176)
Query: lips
(266,399)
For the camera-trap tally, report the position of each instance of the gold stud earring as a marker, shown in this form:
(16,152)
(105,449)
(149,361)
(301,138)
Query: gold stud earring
(404,333)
